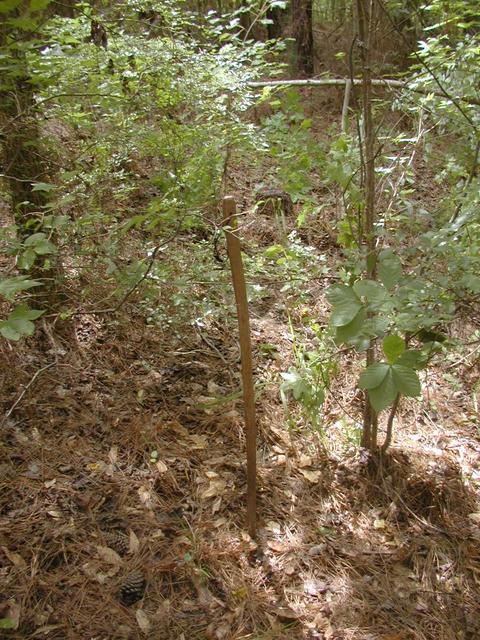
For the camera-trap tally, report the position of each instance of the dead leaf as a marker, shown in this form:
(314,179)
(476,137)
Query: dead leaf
(379,523)
(311,476)
(145,496)
(50,483)
(55,513)
(15,558)
(285,613)
(219,522)
(143,621)
(211,474)
(304,461)
(216,505)
(109,555)
(215,488)
(317,550)
(46,629)
(113,455)
(134,543)
(34,471)
(273,526)
(199,442)
(161,466)
(315,587)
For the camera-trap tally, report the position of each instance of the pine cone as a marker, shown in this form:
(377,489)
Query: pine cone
(117,541)
(133,588)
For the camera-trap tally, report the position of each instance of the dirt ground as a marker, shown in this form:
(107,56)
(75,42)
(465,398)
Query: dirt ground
(116,458)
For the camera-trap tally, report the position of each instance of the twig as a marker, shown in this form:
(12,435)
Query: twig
(25,389)
(391,417)
(455,364)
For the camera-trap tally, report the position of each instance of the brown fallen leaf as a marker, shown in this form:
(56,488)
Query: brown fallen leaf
(108,555)
(311,476)
(143,621)
(15,558)
(215,488)
(133,543)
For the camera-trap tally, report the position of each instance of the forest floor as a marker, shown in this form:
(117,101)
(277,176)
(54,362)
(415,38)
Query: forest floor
(118,457)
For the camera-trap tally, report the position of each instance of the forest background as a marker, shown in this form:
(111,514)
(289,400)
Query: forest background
(122,127)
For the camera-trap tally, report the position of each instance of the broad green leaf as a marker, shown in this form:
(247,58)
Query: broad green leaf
(294,383)
(360,342)
(274,250)
(10,286)
(413,359)
(45,247)
(374,375)
(371,290)
(40,244)
(7,623)
(389,268)
(393,347)
(406,380)
(348,331)
(43,186)
(346,304)
(27,258)
(383,396)
(34,239)
(8,332)
(23,312)
(19,323)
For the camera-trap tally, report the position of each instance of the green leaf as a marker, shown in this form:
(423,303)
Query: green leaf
(8,332)
(43,186)
(389,268)
(19,323)
(7,623)
(406,380)
(348,331)
(38,5)
(393,347)
(346,304)
(26,260)
(371,290)
(413,359)
(374,375)
(9,5)
(294,383)
(40,244)
(383,396)
(10,286)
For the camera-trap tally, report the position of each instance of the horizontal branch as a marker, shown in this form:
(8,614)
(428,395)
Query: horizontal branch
(338,82)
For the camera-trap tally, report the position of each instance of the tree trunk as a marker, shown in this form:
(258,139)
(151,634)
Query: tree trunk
(274,28)
(365,9)
(302,24)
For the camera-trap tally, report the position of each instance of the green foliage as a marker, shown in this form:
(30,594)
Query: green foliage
(19,322)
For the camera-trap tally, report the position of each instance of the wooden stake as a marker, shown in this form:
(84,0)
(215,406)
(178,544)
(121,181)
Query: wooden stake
(238,278)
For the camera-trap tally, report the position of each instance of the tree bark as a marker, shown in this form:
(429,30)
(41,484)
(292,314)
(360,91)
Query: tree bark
(365,9)
(302,23)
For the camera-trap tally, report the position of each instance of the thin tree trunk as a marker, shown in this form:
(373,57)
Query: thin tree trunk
(366,21)
(302,23)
